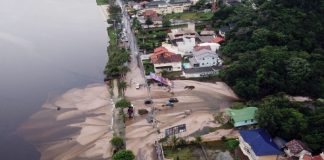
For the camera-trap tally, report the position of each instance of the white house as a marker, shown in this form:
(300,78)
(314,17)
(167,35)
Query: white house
(204,58)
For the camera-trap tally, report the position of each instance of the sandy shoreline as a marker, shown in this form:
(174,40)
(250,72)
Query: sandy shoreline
(80,129)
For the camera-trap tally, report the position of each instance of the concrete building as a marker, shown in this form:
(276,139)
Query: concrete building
(184,38)
(163,7)
(258,145)
(296,149)
(162,59)
(203,57)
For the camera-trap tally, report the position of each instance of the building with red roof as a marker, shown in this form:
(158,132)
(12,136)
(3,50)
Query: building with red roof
(296,148)
(218,39)
(163,59)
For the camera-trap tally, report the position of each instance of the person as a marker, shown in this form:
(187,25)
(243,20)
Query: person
(130,112)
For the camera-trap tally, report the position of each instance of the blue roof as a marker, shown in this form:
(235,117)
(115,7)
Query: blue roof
(260,141)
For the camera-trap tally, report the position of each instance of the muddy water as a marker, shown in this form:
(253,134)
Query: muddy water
(46,48)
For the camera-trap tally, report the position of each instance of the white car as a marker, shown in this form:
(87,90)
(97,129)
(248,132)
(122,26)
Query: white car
(137,86)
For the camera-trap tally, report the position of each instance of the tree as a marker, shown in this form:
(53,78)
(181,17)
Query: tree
(298,73)
(124,155)
(136,24)
(123,103)
(231,144)
(293,123)
(166,22)
(123,70)
(269,117)
(117,142)
(174,141)
(148,22)
(122,86)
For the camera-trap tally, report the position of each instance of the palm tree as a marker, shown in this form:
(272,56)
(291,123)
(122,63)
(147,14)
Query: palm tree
(122,85)
(123,71)
(174,141)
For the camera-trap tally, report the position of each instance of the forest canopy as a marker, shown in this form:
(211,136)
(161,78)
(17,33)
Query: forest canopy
(274,46)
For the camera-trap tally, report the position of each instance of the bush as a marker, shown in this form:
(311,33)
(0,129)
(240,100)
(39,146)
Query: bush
(142,111)
(231,144)
(117,142)
(182,142)
(124,155)
(123,103)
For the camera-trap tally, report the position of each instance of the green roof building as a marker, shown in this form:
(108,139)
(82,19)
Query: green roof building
(242,117)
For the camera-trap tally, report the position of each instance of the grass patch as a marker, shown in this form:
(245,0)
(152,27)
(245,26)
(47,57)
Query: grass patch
(191,16)
(102,2)
(183,153)
(215,145)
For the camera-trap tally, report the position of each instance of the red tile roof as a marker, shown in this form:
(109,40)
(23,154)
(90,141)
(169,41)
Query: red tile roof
(149,13)
(318,157)
(198,48)
(162,55)
(218,40)
(295,146)
(307,157)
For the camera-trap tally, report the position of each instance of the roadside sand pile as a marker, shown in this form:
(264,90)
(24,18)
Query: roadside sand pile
(74,126)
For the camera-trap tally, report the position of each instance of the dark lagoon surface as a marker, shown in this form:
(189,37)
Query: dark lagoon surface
(46,48)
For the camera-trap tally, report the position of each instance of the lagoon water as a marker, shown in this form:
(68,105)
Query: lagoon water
(46,48)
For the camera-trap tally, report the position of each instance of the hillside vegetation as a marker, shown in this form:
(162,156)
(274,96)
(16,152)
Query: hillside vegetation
(277,46)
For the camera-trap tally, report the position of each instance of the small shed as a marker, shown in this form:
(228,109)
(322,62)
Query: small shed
(242,117)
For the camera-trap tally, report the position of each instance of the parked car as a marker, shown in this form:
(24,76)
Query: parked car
(168,104)
(173,100)
(137,86)
(148,101)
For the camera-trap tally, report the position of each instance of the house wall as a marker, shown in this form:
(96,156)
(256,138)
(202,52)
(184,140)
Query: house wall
(176,66)
(207,61)
(244,123)
(272,157)
(197,75)
(246,149)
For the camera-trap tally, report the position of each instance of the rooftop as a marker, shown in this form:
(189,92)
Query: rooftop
(198,70)
(178,1)
(218,39)
(260,142)
(155,4)
(243,114)
(295,146)
(162,55)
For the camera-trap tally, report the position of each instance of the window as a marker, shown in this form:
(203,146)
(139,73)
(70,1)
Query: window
(203,58)
(245,121)
(202,64)
(251,120)
(213,58)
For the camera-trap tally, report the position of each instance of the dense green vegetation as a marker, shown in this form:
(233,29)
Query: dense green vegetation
(102,2)
(277,47)
(292,120)
(117,143)
(123,103)
(118,56)
(124,155)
